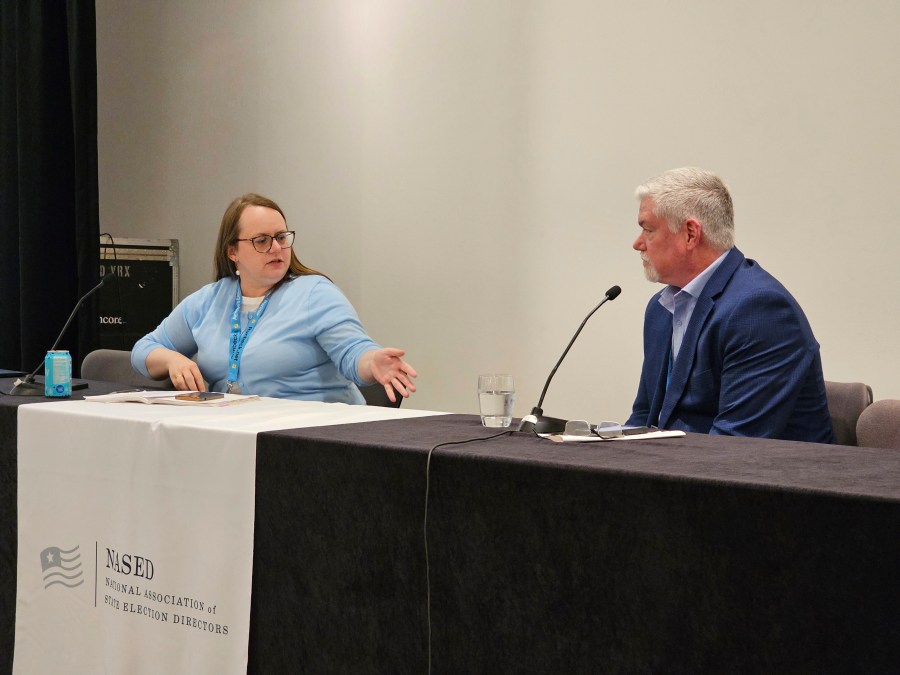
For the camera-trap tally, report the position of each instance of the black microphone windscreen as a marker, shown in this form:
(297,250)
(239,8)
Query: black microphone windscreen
(613,292)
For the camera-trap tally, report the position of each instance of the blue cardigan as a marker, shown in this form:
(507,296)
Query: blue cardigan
(306,345)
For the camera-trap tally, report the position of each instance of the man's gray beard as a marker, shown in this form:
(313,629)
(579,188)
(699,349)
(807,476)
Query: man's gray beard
(651,273)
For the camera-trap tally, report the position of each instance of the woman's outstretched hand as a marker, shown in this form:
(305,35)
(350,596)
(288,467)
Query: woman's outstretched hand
(387,368)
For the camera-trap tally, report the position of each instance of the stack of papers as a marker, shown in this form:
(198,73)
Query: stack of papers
(169,398)
(609,435)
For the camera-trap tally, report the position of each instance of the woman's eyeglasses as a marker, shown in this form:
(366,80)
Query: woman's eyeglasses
(263,243)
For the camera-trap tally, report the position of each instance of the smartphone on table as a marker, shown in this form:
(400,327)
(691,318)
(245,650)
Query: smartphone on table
(200,396)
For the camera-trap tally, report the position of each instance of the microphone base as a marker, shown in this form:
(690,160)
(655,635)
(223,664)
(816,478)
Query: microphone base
(538,423)
(27,387)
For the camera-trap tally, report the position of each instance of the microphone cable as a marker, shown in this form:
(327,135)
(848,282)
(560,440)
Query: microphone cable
(425,524)
(111,246)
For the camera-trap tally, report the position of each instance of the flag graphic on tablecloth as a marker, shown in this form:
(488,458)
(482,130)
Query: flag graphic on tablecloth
(61,567)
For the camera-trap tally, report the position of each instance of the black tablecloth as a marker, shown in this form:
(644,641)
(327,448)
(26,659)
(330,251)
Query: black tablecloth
(698,554)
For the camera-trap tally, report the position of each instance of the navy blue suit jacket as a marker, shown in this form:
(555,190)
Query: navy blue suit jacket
(748,365)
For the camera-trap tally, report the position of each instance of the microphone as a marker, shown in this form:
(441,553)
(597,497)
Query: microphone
(537,422)
(27,386)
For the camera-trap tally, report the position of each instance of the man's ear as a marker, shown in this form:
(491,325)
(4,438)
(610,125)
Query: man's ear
(693,230)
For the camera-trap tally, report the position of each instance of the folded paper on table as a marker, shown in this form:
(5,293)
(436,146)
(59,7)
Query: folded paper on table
(168,398)
(660,433)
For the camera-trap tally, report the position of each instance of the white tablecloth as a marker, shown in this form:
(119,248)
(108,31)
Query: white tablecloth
(135,531)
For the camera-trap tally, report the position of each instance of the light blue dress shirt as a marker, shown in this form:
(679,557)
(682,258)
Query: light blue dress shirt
(681,302)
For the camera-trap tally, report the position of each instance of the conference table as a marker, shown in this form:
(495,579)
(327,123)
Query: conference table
(692,554)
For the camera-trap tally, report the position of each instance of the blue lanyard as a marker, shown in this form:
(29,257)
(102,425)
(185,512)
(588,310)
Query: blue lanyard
(238,339)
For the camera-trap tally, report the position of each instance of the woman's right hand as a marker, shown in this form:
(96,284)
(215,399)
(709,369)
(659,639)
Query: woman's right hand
(184,373)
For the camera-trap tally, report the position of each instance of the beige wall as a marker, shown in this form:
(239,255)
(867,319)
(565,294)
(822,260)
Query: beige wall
(464,170)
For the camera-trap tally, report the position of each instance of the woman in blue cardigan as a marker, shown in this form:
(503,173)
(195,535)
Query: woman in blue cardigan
(268,325)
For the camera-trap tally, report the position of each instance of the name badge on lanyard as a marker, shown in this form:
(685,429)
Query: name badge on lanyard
(239,339)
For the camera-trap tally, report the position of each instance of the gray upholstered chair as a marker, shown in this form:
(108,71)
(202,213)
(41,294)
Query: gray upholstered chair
(114,365)
(846,401)
(376,395)
(879,425)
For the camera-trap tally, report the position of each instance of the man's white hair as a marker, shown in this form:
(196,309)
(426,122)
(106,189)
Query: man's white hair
(689,192)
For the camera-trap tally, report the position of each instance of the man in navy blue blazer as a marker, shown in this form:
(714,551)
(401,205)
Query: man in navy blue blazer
(727,350)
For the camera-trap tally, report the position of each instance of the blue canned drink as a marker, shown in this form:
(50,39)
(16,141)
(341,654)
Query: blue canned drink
(58,374)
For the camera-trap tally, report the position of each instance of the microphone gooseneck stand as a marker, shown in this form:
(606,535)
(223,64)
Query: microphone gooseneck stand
(539,423)
(28,386)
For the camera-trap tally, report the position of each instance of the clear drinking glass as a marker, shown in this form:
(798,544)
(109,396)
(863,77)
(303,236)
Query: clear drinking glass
(496,396)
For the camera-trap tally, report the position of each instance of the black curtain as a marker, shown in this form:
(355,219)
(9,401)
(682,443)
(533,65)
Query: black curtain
(49,222)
